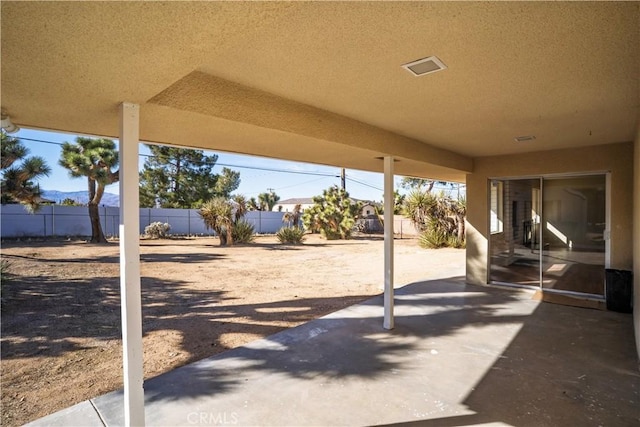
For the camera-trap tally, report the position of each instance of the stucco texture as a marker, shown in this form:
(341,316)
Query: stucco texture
(617,159)
(323,82)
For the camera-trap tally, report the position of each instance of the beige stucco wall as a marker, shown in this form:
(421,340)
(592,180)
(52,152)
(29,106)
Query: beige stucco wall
(614,158)
(636,238)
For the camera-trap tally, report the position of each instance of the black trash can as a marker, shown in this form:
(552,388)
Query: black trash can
(619,290)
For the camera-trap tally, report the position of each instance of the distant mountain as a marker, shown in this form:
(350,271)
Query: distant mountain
(108,199)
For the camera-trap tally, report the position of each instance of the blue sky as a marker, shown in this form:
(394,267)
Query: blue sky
(298,181)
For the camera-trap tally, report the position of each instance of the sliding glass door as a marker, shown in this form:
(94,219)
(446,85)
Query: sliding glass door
(574,223)
(548,233)
(515,231)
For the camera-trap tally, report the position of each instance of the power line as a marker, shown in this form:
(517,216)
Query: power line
(295,185)
(38,140)
(365,184)
(323,174)
(310,173)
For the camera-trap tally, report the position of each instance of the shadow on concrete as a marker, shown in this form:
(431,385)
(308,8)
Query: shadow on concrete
(459,355)
(565,366)
(335,346)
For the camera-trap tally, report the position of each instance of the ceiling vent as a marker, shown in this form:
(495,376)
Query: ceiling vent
(524,138)
(425,66)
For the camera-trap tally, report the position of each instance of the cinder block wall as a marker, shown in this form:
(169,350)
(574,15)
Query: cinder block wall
(62,221)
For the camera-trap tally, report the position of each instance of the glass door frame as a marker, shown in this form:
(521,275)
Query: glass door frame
(541,178)
(539,233)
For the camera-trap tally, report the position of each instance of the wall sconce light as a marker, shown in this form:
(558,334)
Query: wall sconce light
(8,125)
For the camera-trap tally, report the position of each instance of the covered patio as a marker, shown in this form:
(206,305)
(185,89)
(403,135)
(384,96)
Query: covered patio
(465,92)
(458,355)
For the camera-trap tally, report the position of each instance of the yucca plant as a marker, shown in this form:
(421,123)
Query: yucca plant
(433,237)
(217,215)
(290,235)
(225,217)
(243,232)
(439,218)
(454,242)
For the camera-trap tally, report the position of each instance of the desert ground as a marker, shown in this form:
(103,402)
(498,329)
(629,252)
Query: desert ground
(61,341)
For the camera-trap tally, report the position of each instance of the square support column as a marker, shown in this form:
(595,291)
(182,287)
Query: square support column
(130,294)
(388,242)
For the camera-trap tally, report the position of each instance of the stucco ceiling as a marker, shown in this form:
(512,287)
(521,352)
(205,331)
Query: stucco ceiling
(322,81)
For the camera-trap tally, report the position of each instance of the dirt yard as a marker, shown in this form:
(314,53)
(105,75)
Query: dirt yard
(61,306)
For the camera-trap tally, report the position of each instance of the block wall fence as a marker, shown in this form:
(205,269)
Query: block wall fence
(73,221)
(67,221)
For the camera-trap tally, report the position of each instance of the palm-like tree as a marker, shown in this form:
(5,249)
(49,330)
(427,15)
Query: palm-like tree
(92,158)
(293,218)
(417,206)
(218,216)
(241,207)
(438,217)
(268,200)
(459,209)
(19,173)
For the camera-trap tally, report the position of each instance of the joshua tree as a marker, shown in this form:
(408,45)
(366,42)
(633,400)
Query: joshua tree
(19,173)
(268,200)
(92,158)
(333,214)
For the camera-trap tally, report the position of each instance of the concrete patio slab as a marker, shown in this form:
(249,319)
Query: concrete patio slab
(459,355)
(81,414)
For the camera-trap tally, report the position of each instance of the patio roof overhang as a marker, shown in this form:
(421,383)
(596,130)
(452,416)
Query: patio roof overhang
(322,82)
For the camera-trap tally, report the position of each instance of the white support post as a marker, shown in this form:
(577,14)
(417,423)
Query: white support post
(131,301)
(388,242)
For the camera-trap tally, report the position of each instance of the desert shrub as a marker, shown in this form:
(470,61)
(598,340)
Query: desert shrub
(243,232)
(157,230)
(433,238)
(70,202)
(454,242)
(439,218)
(290,235)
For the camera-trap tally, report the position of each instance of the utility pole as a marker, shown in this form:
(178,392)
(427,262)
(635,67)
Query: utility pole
(343,179)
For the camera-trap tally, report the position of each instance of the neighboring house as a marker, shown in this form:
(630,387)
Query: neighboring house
(289,204)
(370,209)
(369,220)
